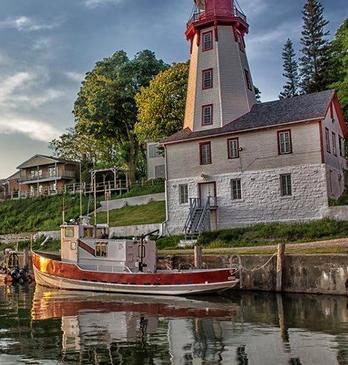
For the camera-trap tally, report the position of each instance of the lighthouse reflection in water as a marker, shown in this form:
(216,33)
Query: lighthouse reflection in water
(41,326)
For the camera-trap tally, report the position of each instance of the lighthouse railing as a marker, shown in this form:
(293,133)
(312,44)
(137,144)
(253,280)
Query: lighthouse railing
(198,14)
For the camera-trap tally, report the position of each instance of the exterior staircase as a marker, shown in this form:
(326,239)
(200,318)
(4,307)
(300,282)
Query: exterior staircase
(198,220)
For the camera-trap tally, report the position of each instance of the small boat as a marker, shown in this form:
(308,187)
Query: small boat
(91,261)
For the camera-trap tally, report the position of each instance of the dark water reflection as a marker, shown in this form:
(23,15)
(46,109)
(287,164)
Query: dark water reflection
(50,327)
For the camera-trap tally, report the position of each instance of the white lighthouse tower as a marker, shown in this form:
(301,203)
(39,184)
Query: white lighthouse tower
(220,85)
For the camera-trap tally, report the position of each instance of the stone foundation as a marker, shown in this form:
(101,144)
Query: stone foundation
(261,198)
(314,274)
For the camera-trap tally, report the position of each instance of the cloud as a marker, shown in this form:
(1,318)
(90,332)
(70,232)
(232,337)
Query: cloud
(26,90)
(42,44)
(253,8)
(264,43)
(26,24)
(95,3)
(34,129)
(35,101)
(74,76)
(12,83)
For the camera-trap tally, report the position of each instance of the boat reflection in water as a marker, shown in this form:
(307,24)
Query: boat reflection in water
(58,327)
(101,323)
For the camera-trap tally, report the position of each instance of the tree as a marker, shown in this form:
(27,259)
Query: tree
(290,67)
(161,105)
(339,65)
(257,94)
(315,51)
(105,109)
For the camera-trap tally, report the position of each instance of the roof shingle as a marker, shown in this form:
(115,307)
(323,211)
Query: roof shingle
(264,115)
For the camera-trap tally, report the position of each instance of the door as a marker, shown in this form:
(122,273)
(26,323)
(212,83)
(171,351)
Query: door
(207,190)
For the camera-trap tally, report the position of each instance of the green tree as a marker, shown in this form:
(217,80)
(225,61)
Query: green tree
(315,52)
(339,65)
(290,67)
(161,105)
(257,94)
(105,108)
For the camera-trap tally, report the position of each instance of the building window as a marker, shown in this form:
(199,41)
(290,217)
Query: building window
(183,194)
(284,142)
(154,151)
(159,171)
(285,185)
(101,249)
(334,144)
(248,80)
(207,114)
(236,189)
(52,171)
(205,153)
(207,79)
(207,41)
(341,146)
(327,140)
(233,148)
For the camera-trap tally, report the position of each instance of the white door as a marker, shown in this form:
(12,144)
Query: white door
(206,190)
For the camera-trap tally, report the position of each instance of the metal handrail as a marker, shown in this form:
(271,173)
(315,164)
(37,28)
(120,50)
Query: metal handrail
(201,15)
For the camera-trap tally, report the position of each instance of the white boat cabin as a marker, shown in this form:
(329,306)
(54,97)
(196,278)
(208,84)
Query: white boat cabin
(91,248)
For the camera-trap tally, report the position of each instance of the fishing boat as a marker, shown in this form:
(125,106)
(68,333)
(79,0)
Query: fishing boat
(92,261)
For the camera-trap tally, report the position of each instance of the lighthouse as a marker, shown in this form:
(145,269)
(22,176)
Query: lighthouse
(220,87)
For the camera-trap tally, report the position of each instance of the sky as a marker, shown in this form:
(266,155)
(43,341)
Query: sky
(47,46)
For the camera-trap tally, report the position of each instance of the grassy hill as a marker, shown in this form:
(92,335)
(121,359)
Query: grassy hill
(153,212)
(45,214)
(30,215)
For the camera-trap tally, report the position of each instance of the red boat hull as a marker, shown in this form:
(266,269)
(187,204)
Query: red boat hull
(54,273)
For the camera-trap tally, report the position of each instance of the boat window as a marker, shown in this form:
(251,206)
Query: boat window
(88,233)
(69,232)
(101,249)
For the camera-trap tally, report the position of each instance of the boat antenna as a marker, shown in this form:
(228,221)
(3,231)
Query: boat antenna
(81,191)
(107,207)
(63,210)
(95,197)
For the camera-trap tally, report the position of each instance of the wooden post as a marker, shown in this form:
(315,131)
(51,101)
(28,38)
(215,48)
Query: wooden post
(198,259)
(280,266)
(26,258)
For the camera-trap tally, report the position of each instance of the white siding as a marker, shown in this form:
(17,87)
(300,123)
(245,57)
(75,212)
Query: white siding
(335,164)
(260,151)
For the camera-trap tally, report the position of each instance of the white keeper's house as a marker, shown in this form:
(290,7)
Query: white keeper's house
(237,162)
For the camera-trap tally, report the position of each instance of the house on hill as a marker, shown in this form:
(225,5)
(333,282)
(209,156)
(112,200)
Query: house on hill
(237,162)
(42,175)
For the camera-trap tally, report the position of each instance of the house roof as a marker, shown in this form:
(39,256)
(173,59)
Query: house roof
(39,160)
(14,176)
(301,108)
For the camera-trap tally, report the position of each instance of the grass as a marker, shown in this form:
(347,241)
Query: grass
(343,200)
(50,246)
(30,215)
(265,234)
(153,212)
(149,187)
(45,213)
(274,233)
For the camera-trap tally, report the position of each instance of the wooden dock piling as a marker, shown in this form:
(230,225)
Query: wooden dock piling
(280,266)
(198,257)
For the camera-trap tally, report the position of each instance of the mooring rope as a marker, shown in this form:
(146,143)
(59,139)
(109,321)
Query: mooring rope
(242,268)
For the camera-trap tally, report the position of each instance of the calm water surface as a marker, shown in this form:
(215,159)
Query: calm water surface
(41,326)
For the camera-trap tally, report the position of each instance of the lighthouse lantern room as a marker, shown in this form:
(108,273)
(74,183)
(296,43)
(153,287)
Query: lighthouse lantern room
(220,85)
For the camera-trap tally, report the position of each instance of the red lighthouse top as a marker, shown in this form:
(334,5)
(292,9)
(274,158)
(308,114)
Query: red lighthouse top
(217,7)
(216,12)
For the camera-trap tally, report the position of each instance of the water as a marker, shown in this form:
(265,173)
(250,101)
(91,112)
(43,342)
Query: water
(42,326)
